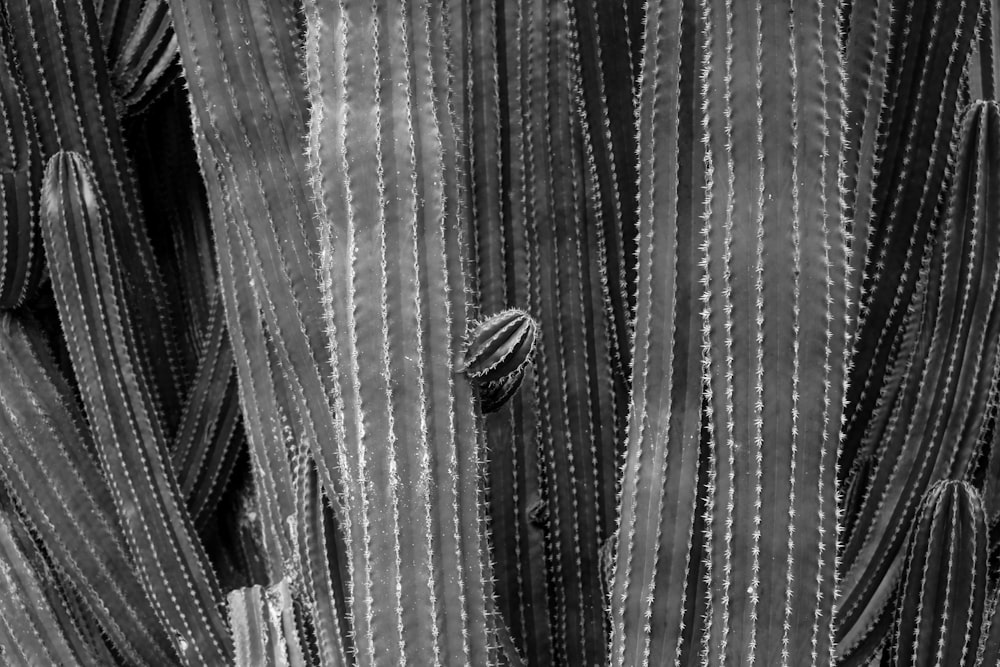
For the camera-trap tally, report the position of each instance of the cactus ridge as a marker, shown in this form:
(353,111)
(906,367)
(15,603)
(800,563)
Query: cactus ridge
(20,180)
(942,595)
(46,446)
(58,49)
(394,265)
(945,392)
(118,404)
(500,346)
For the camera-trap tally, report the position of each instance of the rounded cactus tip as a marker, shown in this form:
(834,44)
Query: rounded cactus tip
(497,353)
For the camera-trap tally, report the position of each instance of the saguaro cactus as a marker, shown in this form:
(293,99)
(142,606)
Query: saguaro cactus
(387,168)
(942,593)
(752,280)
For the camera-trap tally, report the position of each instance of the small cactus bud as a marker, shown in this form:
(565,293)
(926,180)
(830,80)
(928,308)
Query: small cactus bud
(497,353)
(500,346)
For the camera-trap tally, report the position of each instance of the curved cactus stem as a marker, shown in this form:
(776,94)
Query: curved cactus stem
(897,161)
(206,445)
(87,278)
(44,446)
(929,426)
(35,628)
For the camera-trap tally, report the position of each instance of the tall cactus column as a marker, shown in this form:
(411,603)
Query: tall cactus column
(773,258)
(387,171)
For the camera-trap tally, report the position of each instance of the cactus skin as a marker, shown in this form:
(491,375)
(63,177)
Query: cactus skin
(47,462)
(387,169)
(942,596)
(58,47)
(498,355)
(84,263)
(895,180)
(141,50)
(264,627)
(771,270)
(553,235)
(205,447)
(251,151)
(20,180)
(34,630)
(929,422)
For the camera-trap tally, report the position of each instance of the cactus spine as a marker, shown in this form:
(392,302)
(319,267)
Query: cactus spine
(769,268)
(942,594)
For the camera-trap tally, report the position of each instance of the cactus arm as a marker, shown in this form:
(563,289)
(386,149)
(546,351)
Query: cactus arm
(205,447)
(777,263)
(89,293)
(502,263)
(257,384)
(929,44)
(949,394)
(941,601)
(20,180)
(44,448)
(59,50)
(249,102)
(397,310)
(30,628)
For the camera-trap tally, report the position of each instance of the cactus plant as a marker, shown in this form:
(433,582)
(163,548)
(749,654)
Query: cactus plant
(499,332)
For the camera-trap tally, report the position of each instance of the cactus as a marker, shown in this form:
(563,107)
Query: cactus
(553,184)
(499,332)
(769,266)
(83,259)
(20,180)
(942,593)
(386,169)
(931,417)
(49,466)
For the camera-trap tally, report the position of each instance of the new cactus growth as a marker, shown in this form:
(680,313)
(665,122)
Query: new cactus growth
(499,332)
(942,594)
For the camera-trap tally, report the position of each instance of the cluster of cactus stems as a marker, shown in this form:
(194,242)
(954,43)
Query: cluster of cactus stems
(499,332)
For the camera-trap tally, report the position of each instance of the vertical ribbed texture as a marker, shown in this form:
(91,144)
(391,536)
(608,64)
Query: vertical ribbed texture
(652,597)
(58,48)
(248,100)
(35,628)
(388,169)
(47,463)
(85,263)
(928,427)
(941,600)
(766,254)
(904,107)
(263,627)
(551,128)
(20,179)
